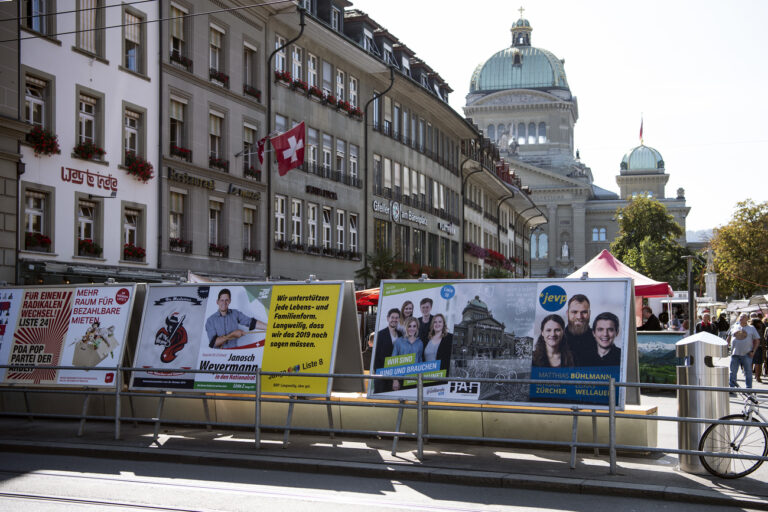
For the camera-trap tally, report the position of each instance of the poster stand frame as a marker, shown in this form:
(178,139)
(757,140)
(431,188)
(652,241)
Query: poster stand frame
(84,412)
(289,419)
(575,433)
(161,406)
(399,422)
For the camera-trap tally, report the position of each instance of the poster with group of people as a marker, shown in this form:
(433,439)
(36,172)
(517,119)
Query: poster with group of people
(83,326)
(230,330)
(548,330)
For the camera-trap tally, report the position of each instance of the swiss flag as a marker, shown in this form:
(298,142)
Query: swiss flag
(289,149)
(260,149)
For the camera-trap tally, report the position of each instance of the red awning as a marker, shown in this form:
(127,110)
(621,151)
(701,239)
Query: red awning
(606,265)
(365,298)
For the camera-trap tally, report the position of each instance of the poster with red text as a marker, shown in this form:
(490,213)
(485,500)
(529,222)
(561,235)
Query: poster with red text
(78,326)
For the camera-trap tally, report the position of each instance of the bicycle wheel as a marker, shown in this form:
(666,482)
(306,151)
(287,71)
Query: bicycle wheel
(733,439)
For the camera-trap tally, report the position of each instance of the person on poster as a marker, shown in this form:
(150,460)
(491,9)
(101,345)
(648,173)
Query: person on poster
(605,328)
(406,312)
(408,344)
(578,336)
(425,322)
(550,350)
(223,327)
(384,346)
(440,343)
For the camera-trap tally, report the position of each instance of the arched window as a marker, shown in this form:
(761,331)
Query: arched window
(543,246)
(491,132)
(531,133)
(602,234)
(595,235)
(542,133)
(521,133)
(501,130)
(534,245)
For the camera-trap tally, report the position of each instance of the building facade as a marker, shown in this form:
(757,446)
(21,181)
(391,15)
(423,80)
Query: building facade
(88,196)
(521,99)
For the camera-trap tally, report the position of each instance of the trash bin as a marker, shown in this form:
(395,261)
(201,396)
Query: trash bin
(700,356)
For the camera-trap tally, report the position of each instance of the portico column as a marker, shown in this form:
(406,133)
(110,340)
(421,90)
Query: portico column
(579,230)
(552,236)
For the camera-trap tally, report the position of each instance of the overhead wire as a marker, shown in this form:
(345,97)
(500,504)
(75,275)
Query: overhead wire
(146,22)
(56,13)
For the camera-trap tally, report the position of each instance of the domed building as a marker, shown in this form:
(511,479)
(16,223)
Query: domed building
(521,100)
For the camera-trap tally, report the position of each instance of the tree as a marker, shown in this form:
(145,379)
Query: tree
(741,251)
(647,242)
(381,264)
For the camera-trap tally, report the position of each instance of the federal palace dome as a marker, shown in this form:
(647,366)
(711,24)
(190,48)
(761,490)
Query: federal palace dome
(521,66)
(642,158)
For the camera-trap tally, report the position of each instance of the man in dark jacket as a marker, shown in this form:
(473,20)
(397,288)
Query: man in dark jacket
(650,322)
(384,345)
(706,325)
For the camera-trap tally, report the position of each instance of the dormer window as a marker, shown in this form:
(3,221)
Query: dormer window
(335,19)
(388,59)
(517,59)
(406,66)
(368,44)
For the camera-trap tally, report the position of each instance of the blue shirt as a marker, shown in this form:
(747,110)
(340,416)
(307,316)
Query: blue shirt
(402,347)
(221,325)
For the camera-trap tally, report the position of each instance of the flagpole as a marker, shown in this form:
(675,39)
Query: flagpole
(270,227)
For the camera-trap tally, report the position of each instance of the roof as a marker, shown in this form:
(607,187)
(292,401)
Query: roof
(605,265)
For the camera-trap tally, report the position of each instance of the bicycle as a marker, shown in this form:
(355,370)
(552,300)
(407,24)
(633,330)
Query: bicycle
(749,440)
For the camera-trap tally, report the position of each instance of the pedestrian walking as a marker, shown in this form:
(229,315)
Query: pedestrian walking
(743,338)
(757,359)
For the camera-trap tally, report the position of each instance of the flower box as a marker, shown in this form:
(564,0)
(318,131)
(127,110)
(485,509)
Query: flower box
(133,252)
(344,105)
(252,91)
(316,92)
(252,254)
(184,153)
(36,242)
(296,247)
(219,163)
(179,245)
(329,251)
(137,167)
(43,142)
(87,150)
(331,99)
(356,113)
(250,171)
(281,244)
(299,85)
(219,251)
(180,59)
(87,247)
(219,76)
(313,249)
(283,76)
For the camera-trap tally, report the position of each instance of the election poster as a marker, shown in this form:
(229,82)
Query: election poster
(231,330)
(82,326)
(548,330)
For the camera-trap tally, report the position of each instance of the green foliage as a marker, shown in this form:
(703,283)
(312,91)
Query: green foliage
(494,272)
(647,242)
(741,251)
(381,264)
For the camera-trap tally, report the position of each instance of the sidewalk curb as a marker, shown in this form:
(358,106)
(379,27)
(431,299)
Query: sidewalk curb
(400,471)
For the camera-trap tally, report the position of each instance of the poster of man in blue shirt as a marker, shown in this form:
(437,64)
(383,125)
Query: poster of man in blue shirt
(224,326)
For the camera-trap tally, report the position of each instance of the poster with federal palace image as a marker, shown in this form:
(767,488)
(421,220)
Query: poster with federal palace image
(547,330)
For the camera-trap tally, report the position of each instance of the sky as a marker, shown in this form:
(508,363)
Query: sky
(695,71)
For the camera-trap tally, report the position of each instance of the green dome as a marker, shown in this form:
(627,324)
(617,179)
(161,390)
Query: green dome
(642,158)
(519,67)
(522,23)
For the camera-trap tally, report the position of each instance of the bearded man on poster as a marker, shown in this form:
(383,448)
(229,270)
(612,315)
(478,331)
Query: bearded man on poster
(578,335)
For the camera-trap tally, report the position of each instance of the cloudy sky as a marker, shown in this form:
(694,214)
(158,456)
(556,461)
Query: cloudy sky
(694,70)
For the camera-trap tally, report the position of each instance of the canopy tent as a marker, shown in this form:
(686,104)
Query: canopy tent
(606,265)
(365,298)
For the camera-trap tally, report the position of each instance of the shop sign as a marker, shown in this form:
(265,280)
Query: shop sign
(186,179)
(447,227)
(92,179)
(328,194)
(242,192)
(381,206)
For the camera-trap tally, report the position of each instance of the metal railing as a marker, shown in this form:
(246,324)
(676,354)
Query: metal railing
(420,405)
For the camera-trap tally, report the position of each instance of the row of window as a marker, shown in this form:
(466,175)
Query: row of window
(218,55)
(39,16)
(88,227)
(218,156)
(393,119)
(179,224)
(318,73)
(396,181)
(315,225)
(520,133)
(39,108)
(412,245)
